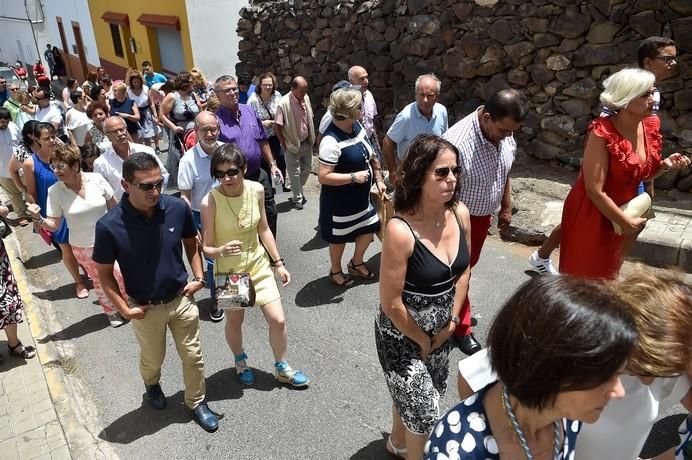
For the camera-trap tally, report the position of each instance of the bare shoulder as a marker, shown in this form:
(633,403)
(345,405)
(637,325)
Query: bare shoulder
(398,236)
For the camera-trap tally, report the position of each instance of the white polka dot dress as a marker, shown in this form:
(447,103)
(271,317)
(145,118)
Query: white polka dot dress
(463,433)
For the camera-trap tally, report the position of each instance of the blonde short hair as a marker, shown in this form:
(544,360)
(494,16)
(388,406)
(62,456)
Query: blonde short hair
(345,104)
(625,85)
(197,78)
(120,86)
(662,308)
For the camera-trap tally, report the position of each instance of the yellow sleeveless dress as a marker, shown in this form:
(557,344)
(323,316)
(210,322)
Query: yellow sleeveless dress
(237,218)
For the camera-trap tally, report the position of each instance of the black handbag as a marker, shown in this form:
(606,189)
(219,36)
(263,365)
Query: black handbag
(5,229)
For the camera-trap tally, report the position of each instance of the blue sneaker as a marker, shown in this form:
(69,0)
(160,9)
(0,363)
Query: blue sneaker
(245,374)
(285,374)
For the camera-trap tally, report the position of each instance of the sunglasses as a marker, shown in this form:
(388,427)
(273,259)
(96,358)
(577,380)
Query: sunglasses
(151,186)
(58,166)
(232,172)
(442,173)
(667,59)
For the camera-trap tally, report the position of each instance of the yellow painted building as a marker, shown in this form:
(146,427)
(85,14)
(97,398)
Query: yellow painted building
(129,32)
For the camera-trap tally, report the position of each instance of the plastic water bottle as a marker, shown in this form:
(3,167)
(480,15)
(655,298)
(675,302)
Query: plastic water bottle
(278,185)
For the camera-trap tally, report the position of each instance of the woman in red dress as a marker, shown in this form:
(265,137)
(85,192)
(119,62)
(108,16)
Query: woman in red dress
(621,151)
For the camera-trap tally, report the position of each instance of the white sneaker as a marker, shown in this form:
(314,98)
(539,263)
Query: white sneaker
(542,266)
(115,319)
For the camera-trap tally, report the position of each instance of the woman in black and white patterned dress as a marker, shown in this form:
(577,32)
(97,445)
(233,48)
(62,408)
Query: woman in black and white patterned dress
(424,277)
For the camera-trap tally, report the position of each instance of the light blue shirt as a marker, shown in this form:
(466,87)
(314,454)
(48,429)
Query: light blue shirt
(156,77)
(410,122)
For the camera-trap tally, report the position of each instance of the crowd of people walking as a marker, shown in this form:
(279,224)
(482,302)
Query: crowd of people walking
(564,349)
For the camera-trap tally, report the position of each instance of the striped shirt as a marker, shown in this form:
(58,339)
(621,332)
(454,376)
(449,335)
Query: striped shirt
(485,168)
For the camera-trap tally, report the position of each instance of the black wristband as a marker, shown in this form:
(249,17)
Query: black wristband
(280,259)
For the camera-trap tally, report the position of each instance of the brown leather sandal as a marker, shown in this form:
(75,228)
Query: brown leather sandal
(346,283)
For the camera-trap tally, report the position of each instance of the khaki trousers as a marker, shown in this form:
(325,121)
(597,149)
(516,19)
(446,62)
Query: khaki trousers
(181,316)
(298,168)
(15,194)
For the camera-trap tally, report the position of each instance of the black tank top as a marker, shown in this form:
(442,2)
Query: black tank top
(426,274)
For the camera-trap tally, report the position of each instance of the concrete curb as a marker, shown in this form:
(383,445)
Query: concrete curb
(75,413)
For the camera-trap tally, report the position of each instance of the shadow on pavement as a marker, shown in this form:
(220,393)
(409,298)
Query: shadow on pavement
(42,260)
(8,361)
(319,292)
(81,328)
(375,450)
(316,242)
(145,420)
(65,292)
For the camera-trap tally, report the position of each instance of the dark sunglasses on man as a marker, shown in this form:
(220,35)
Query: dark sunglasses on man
(147,187)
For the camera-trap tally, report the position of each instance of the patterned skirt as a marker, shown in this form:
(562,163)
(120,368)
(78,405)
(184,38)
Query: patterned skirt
(416,385)
(11,306)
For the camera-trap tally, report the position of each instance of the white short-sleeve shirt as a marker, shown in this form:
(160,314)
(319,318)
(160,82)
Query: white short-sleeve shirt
(79,123)
(194,175)
(110,166)
(81,213)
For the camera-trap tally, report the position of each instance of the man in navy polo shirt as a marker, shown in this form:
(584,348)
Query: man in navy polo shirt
(241,126)
(144,235)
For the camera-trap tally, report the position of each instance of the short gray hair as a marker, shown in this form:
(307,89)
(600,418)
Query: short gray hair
(222,79)
(624,86)
(431,76)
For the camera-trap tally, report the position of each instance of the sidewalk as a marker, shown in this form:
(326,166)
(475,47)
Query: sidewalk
(665,242)
(29,426)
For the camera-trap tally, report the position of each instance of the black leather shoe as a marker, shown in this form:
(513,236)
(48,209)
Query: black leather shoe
(468,344)
(206,418)
(156,397)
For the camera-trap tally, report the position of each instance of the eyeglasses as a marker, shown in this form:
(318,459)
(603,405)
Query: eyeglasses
(148,187)
(14,89)
(117,130)
(211,130)
(230,90)
(442,173)
(231,172)
(58,166)
(667,59)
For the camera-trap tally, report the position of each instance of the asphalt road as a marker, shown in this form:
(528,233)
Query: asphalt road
(343,414)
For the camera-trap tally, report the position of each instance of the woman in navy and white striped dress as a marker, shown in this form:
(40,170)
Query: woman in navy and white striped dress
(347,170)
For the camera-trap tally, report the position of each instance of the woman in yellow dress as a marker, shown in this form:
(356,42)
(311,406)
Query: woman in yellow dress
(233,223)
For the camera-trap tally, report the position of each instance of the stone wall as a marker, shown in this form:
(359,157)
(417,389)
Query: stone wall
(556,51)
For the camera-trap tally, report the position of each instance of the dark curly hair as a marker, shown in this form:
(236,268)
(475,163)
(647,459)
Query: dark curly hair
(420,155)
(94,106)
(182,80)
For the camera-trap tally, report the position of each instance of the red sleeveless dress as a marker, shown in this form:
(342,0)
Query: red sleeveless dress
(589,247)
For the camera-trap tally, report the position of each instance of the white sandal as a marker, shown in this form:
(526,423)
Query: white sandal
(396,451)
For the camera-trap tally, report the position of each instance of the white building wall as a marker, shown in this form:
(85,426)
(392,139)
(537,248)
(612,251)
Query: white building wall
(18,41)
(71,10)
(213,35)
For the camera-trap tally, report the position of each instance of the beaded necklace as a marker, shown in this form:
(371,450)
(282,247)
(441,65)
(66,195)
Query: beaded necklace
(514,423)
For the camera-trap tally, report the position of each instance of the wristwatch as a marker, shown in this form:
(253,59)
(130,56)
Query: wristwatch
(455,319)
(200,280)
